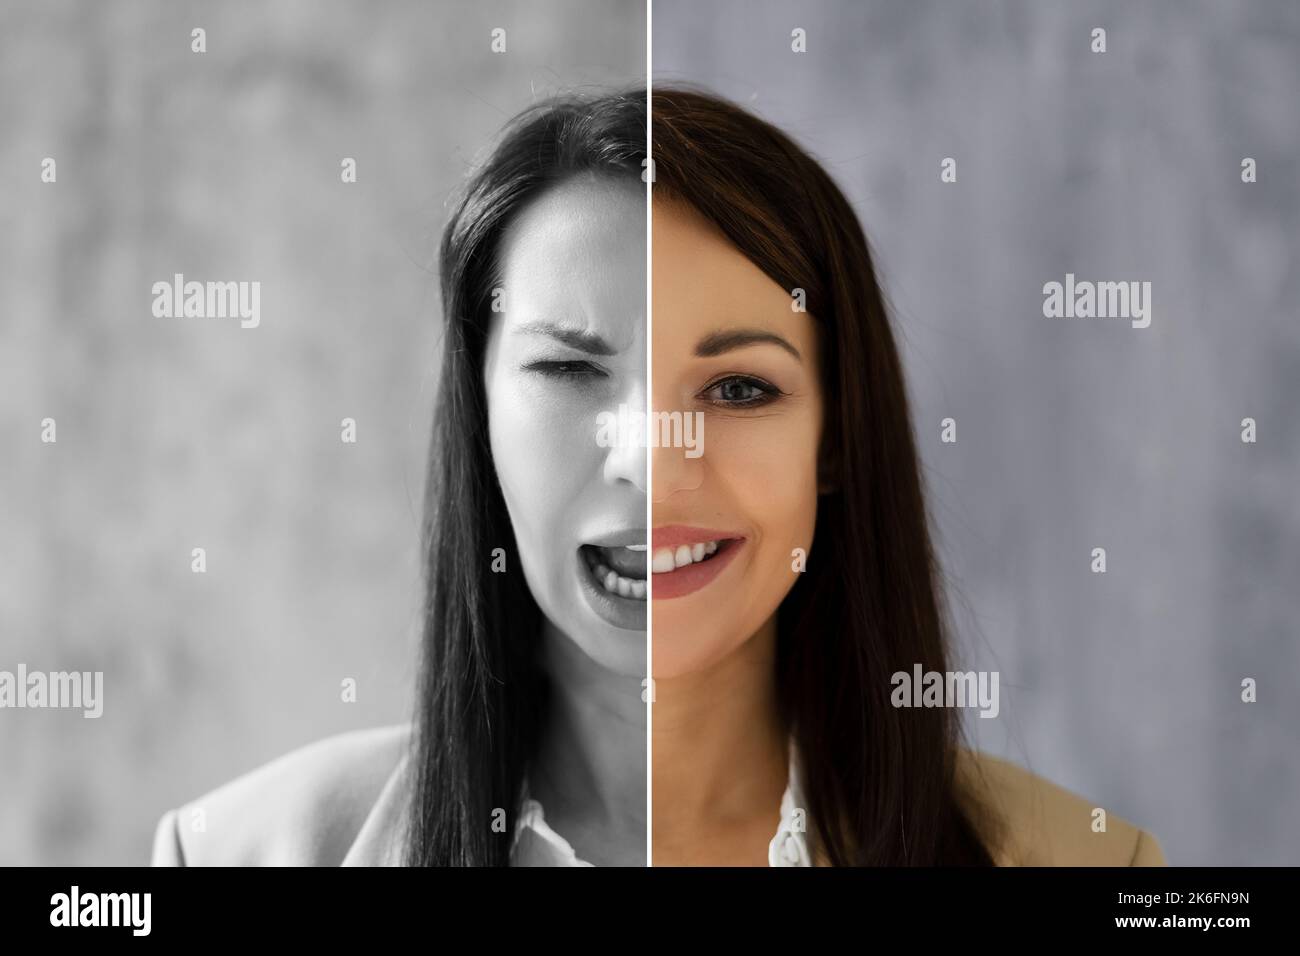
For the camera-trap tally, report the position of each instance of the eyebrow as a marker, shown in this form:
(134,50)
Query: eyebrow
(716,343)
(588,342)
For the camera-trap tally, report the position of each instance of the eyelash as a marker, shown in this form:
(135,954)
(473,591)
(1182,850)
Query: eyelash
(570,369)
(768,392)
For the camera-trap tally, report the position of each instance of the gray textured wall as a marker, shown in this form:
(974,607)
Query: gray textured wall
(1075,434)
(174,434)
(1070,436)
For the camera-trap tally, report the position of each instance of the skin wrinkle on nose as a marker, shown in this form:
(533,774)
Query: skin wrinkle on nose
(692,466)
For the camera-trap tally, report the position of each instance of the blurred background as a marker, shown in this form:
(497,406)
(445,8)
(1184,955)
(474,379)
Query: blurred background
(182,433)
(1083,433)
(1072,434)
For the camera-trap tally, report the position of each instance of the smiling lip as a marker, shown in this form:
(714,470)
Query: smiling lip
(693,577)
(674,535)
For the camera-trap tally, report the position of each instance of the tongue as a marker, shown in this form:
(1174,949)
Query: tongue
(629,564)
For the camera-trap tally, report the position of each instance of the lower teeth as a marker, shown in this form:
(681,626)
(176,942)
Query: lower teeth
(615,583)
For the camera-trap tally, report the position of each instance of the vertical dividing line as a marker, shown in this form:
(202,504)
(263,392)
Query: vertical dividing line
(649,403)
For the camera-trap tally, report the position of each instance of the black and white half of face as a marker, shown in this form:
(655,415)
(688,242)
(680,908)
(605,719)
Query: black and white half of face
(566,357)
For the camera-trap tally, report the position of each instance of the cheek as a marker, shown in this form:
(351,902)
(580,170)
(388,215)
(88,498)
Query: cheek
(540,436)
(769,468)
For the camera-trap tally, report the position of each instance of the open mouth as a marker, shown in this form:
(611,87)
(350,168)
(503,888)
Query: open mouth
(619,571)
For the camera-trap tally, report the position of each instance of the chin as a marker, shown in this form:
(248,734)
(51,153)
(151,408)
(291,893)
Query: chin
(686,644)
(617,650)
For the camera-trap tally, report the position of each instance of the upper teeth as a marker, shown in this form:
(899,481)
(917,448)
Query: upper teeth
(669,559)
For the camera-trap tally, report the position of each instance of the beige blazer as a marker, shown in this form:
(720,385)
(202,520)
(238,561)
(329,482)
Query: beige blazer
(340,802)
(1043,824)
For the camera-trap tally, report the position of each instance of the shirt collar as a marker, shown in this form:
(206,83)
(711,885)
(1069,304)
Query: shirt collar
(380,840)
(537,844)
(789,847)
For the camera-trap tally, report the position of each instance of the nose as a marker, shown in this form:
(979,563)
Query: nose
(672,469)
(625,459)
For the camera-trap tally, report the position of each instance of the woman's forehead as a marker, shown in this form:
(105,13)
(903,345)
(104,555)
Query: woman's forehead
(573,264)
(703,284)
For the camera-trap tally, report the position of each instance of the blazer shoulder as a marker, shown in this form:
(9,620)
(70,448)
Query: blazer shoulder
(304,808)
(1039,823)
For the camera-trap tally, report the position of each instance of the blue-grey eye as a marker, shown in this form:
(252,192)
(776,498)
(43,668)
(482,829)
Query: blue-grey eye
(740,391)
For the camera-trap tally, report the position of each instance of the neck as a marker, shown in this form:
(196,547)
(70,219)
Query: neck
(590,772)
(719,749)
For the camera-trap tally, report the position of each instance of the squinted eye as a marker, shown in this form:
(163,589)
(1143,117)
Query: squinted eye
(576,369)
(740,391)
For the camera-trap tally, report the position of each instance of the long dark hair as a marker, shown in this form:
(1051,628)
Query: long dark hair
(882,786)
(481,696)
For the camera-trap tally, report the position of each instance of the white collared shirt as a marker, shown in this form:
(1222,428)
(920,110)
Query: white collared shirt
(537,844)
(790,845)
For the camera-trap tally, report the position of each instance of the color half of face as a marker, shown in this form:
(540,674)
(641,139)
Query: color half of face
(730,526)
(565,354)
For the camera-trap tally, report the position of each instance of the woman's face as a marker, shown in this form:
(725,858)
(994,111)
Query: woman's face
(568,346)
(728,344)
